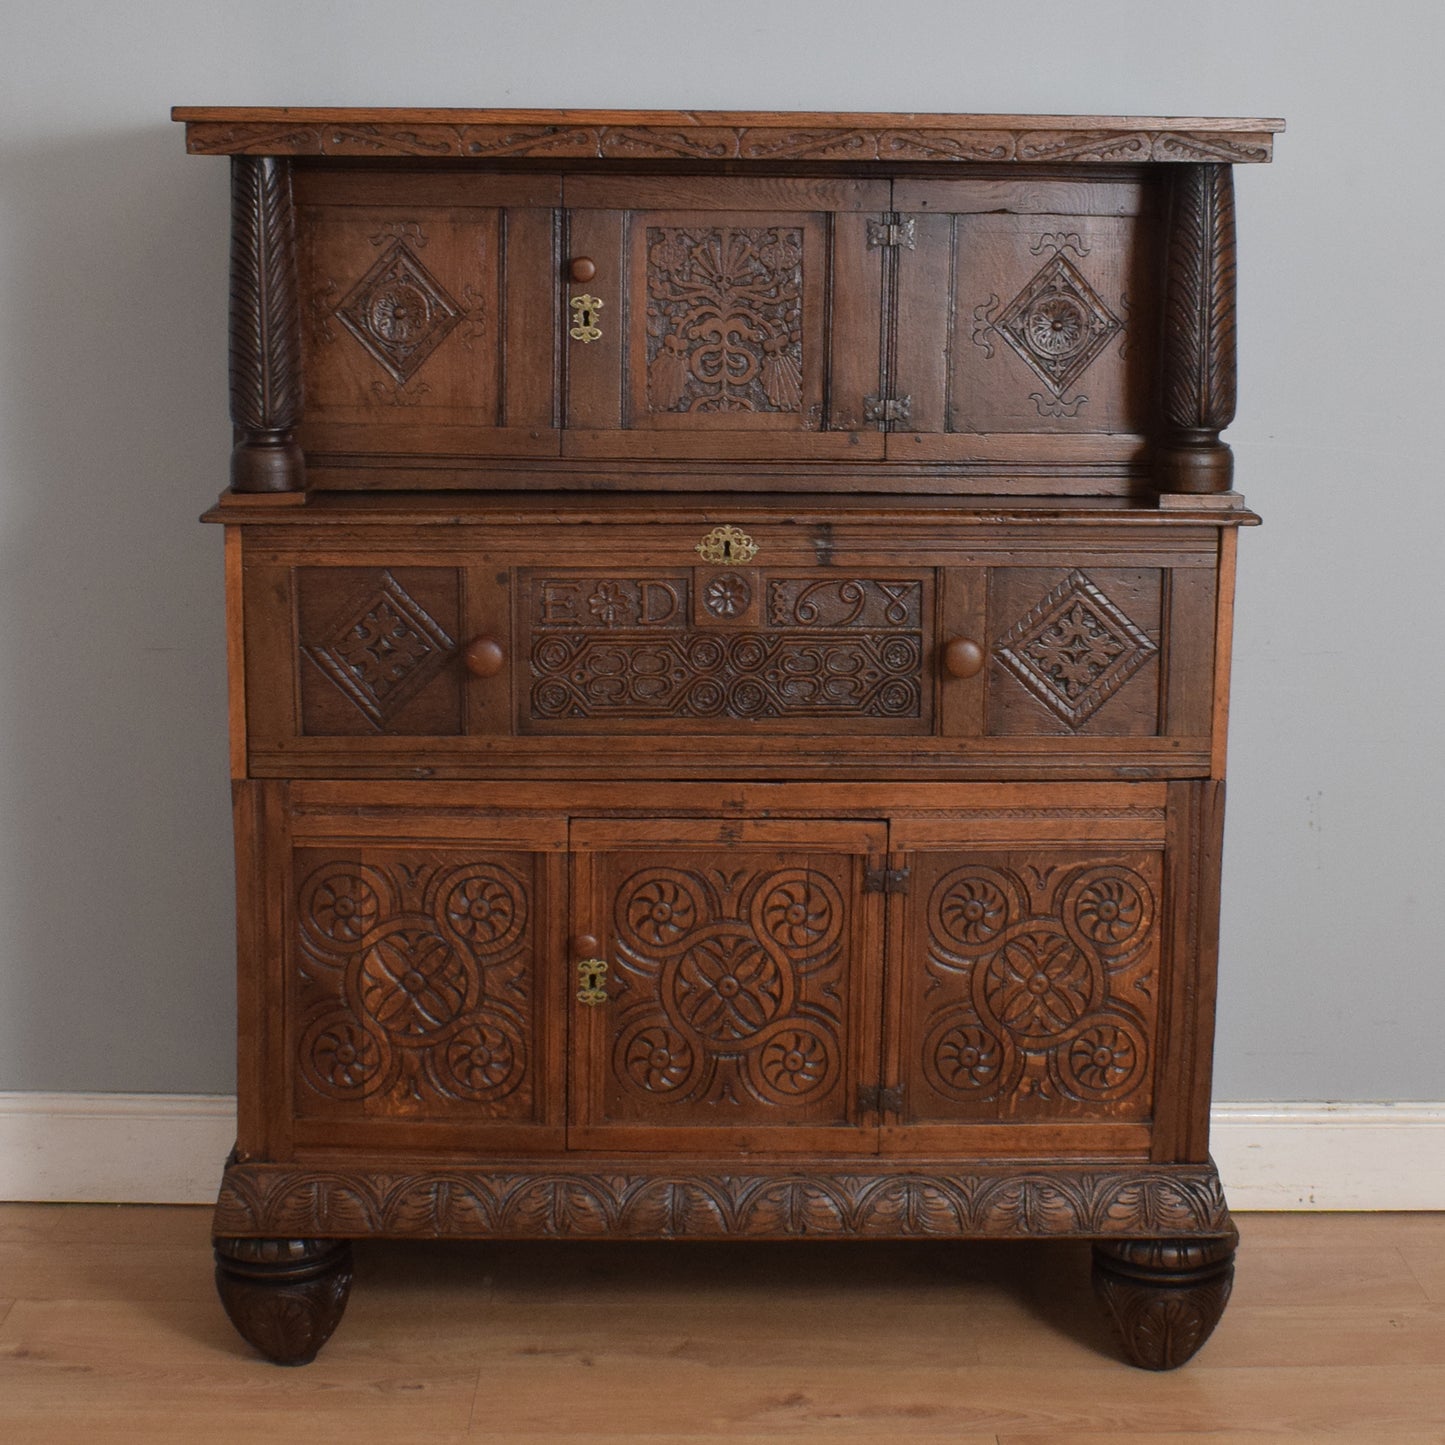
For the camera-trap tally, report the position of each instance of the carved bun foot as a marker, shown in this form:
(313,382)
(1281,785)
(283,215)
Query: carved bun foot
(1165,1296)
(284,1296)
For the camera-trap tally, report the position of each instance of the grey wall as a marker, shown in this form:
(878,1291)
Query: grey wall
(115,946)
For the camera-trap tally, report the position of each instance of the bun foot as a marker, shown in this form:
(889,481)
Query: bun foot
(284,1296)
(1165,1296)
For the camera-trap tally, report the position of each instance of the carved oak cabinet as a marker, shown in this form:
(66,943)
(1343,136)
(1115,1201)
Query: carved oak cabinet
(729,627)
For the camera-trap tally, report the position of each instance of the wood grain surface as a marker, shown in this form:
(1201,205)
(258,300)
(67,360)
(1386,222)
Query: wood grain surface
(109,1332)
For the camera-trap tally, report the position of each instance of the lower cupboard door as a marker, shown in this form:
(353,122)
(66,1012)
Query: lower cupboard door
(1025,978)
(737,1011)
(419,969)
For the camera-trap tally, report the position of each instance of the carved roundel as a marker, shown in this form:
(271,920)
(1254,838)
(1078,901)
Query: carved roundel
(340,903)
(1039,983)
(729,594)
(1111,909)
(486,906)
(800,911)
(413,981)
(344,1057)
(656,1058)
(727,988)
(963,1059)
(482,1060)
(797,1059)
(970,907)
(1104,1060)
(659,908)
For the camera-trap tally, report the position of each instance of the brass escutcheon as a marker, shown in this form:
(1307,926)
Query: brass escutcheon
(727,544)
(586,308)
(592,972)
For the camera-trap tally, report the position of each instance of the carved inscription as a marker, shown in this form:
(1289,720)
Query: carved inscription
(733,980)
(724,319)
(1041,986)
(413,983)
(622,646)
(1075,649)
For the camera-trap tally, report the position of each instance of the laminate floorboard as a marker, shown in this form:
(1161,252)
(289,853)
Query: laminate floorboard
(110,1332)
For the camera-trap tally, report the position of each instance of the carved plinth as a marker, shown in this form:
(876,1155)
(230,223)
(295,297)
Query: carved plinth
(284,1296)
(1165,1296)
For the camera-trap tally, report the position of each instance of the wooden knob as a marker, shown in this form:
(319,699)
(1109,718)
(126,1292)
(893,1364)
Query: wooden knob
(962,657)
(484,657)
(584,945)
(582,268)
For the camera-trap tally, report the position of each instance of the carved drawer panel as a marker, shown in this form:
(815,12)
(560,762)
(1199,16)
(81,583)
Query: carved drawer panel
(707,649)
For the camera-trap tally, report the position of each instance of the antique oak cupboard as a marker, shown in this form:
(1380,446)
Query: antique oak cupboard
(729,623)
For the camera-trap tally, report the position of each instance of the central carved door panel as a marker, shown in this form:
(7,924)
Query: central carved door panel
(727,312)
(739,1005)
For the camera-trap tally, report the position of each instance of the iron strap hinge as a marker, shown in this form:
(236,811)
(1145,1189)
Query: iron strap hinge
(886,880)
(875,1098)
(896,231)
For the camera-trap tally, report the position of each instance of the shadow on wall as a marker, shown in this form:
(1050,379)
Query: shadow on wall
(115,939)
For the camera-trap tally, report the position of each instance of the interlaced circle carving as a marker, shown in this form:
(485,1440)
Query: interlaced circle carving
(1047,985)
(413,981)
(737,976)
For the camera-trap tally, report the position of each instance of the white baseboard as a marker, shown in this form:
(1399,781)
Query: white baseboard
(168,1149)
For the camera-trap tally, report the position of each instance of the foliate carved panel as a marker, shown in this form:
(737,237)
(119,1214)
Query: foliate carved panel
(412,988)
(733,976)
(1002,1202)
(1038,985)
(373,642)
(634,646)
(724,319)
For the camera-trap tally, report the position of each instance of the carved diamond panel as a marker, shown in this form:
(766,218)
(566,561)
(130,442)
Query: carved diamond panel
(1075,649)
(1038,986)
(1058,324)
(724,319)
(413,983)
(383,650)
(399,312)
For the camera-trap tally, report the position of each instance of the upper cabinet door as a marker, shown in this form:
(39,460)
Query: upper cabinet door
(428,329)
(1024,320)
(722,317)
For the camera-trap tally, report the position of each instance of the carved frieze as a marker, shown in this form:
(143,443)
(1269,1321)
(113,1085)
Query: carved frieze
(517,1202)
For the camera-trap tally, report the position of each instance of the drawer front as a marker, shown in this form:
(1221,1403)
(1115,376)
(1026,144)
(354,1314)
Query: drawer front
(711,650)
(497,660)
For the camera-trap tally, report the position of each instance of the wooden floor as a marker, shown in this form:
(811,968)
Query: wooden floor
(109,1331)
